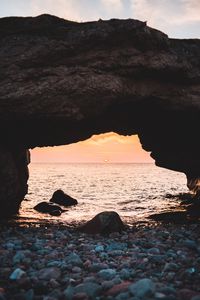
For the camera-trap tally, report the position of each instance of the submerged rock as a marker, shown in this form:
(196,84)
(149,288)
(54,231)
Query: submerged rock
(45,207)
(59,197)
(104,223)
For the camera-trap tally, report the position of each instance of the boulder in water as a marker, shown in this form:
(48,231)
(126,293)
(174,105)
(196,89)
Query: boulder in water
(59,197)
(104,223)
(50,208)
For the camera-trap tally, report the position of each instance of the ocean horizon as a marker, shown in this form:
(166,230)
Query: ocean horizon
(133,190)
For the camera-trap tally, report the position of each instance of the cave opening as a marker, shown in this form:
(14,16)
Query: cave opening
(106,172)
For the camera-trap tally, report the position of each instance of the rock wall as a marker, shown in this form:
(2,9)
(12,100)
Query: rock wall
(62,81)
(14,177)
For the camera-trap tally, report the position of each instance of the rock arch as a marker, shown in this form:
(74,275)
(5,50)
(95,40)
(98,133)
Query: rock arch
(63,81)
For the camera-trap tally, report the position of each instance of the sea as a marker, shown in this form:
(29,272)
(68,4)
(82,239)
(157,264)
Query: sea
(135,191)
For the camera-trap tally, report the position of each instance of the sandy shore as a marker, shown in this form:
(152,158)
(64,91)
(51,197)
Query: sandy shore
(154,261)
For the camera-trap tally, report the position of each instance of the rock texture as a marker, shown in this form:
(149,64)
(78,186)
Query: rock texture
(59,197)
(61,82)
(14,177)
(103,223)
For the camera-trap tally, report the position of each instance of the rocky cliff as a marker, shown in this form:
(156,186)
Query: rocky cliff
(62,81)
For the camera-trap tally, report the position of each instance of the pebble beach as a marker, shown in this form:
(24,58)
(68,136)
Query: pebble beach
(145,261)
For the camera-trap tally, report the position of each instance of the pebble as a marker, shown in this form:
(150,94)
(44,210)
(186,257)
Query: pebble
(116,246)
(126,274)
(80,296)
(170,267)
(74,259)
(187,294)
(149,262)
(107,274)
(2,297)
(17,274)
(89,288)
(122,296)
(29,295)
(190,244)
(98,266)
(196,297)
(76,269)
(154,251)
(142,288)
(99,248)
(118,288)
(19,256)
(49,273)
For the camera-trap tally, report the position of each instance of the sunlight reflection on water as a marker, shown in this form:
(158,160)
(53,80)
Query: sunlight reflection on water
(133,190)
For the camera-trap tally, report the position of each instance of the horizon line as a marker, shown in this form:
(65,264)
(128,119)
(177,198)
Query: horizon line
(105,163)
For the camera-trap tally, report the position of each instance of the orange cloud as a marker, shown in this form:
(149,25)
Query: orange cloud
(99,148)
(112,137)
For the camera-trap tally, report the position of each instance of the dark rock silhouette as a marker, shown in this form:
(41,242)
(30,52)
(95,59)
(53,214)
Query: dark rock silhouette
(46,207)
(62,81)
(103,223)
(59,197)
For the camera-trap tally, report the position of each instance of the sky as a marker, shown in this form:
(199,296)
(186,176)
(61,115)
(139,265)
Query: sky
(103,148)
(177,18)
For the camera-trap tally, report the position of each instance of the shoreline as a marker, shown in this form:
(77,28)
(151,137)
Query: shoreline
(58,262)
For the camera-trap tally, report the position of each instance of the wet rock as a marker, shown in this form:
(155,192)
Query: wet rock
(103,223)
(49,273)
(59,197)
(45,207)
(142,288)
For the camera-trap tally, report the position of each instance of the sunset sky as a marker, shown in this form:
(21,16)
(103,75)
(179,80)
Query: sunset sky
(177,18)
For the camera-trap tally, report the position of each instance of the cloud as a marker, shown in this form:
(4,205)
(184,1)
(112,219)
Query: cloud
(168,11)
(112,5)
(192,10)
(67,9)
(111,137)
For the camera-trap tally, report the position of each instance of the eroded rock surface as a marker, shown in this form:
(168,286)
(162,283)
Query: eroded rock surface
(61,82)
(103,223)
(13,177)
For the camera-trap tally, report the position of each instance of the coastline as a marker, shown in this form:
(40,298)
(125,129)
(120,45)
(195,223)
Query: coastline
(58,262)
